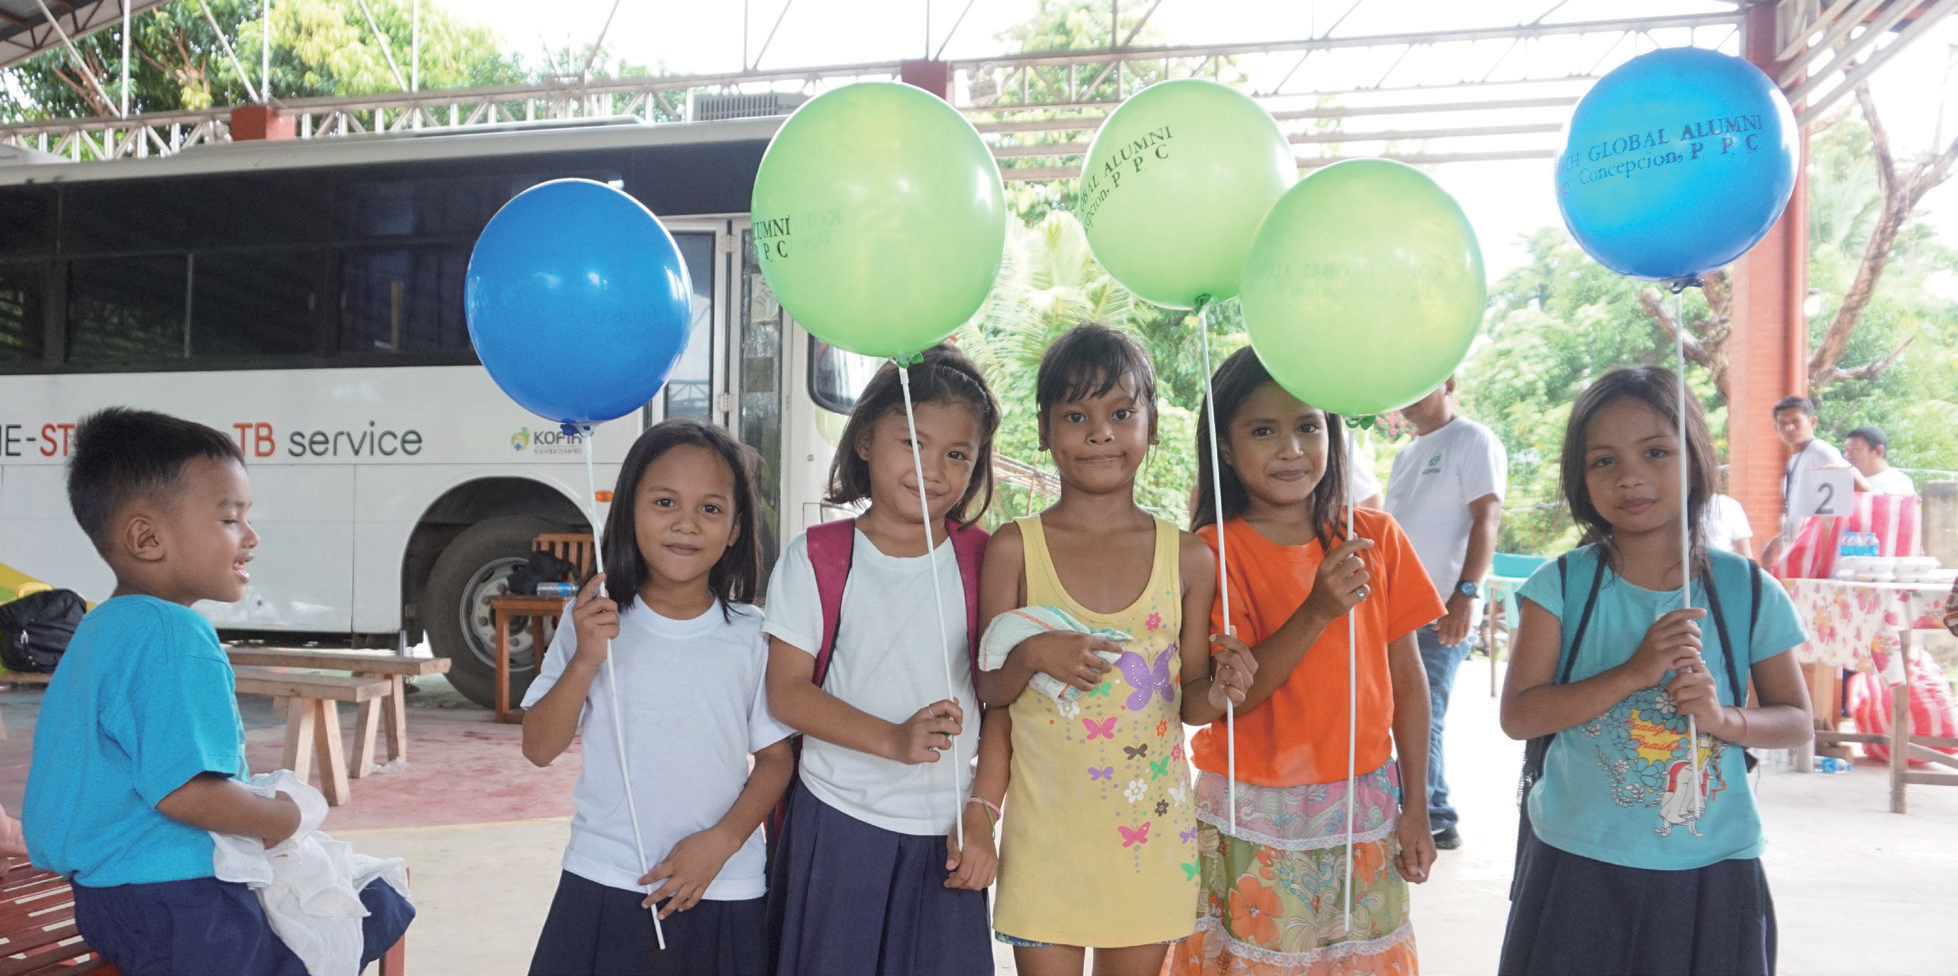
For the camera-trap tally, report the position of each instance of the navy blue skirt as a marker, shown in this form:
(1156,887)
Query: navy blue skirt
(203,925)
(598,930)
(1574,915)
(851,899)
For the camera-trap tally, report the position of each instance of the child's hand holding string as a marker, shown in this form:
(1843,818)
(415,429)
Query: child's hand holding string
(1695,695)
(688,869)
(971,863)
(596,618)
(920,738)
(1232,671)
(1341,583)
(1672,643)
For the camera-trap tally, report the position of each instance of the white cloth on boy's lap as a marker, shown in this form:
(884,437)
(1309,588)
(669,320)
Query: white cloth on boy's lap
(310,883)
(1009,629)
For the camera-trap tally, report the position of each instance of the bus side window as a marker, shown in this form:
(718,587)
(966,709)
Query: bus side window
(23,297)
(127,310)
(405,299)
(258,302)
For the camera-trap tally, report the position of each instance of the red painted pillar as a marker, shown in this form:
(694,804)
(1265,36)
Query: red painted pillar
(932,76)
(1768,354)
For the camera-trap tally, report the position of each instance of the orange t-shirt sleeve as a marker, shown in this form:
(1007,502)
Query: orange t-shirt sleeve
(1411,598)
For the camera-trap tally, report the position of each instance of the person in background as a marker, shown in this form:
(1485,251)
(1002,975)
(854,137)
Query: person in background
(1726,522)
(1868,451)
(1446,490)
(1794,423)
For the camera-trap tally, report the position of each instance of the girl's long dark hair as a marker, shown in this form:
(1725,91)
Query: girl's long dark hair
(1235,381)
(736,576)
(1659,389)
(943,376)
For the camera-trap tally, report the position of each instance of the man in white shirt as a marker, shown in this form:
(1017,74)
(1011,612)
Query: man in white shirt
(1868,450)
(1446,491)
(1794,423)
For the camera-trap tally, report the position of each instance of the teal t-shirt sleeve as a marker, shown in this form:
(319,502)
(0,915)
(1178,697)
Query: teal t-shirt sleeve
(185,714)
(1778,627)
(1544,589)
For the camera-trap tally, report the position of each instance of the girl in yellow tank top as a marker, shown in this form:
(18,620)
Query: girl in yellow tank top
(1098,843)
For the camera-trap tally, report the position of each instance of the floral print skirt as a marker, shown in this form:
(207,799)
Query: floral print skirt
(1272,900)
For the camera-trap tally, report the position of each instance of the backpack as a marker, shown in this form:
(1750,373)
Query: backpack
(1725,570)
(832,547)
(35,629)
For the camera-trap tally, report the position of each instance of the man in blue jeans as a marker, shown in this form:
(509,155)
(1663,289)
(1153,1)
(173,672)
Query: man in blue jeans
(1446,491)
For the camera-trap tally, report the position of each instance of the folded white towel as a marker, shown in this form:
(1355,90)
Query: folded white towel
(310,883)
(1009,629)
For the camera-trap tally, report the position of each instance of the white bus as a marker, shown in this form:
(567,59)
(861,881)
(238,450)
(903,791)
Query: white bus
(307,297)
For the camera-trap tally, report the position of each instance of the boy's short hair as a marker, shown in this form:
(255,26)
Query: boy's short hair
(1874,437)
(121,455)
(1802,403)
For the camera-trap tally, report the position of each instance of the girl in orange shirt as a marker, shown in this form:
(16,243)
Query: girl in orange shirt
(1272,898)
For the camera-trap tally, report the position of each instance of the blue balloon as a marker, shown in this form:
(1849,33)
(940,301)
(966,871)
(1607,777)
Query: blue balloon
(578,301)
(1676,163)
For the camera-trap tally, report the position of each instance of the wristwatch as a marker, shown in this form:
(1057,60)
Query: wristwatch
(1469,588)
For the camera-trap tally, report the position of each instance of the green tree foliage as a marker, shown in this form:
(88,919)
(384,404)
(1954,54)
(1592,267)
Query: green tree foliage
(319,47)
(1557,322)
(1915,400)
(1050,283)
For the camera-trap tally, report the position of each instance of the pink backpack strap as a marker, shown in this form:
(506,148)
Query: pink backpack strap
(833,544)
(969,545)
(831,548)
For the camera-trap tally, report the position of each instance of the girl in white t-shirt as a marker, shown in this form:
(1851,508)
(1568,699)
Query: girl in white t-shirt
(871,873)
(682,557)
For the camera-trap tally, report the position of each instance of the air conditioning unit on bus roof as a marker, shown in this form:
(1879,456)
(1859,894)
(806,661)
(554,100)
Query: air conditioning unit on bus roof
(713,107)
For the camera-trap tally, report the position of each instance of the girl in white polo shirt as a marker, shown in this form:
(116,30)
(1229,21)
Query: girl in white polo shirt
(683,560)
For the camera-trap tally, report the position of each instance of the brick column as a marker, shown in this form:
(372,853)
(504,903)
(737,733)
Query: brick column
(1768,354)
(932,76)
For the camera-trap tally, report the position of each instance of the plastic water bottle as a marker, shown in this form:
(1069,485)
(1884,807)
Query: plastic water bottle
(1830,764)
(557,589)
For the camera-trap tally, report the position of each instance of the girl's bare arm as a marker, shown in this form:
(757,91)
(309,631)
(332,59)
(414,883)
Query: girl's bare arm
(1783,719)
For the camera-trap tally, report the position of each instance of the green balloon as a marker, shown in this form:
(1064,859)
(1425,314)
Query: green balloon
(1364,287)
(1174,186)
(879,218)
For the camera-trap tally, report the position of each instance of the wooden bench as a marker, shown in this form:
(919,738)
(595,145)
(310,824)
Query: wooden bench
(312,715)
(389,711)
(37,926)
(38,935)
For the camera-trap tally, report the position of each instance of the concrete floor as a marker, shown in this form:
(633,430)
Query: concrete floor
(1857,888)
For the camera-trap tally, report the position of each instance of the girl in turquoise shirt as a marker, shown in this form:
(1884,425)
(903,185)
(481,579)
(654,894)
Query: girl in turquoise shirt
(1628,861)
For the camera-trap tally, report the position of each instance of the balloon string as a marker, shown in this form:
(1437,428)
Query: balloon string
(612,684)
(937,593)
(1352,690)
(1686,526)
(1223,565)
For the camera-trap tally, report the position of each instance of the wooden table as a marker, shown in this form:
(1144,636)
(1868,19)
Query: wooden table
(390,710)
(1868,627)
(502,608)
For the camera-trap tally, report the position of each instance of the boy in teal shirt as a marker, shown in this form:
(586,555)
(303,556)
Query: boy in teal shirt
(139,747)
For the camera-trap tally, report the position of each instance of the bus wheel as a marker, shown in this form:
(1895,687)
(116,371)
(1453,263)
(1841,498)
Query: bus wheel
(471,570)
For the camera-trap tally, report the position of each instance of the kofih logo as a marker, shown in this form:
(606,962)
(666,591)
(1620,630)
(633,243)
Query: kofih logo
(545,441)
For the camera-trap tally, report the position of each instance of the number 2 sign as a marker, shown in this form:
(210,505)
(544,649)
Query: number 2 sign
(1823,491)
